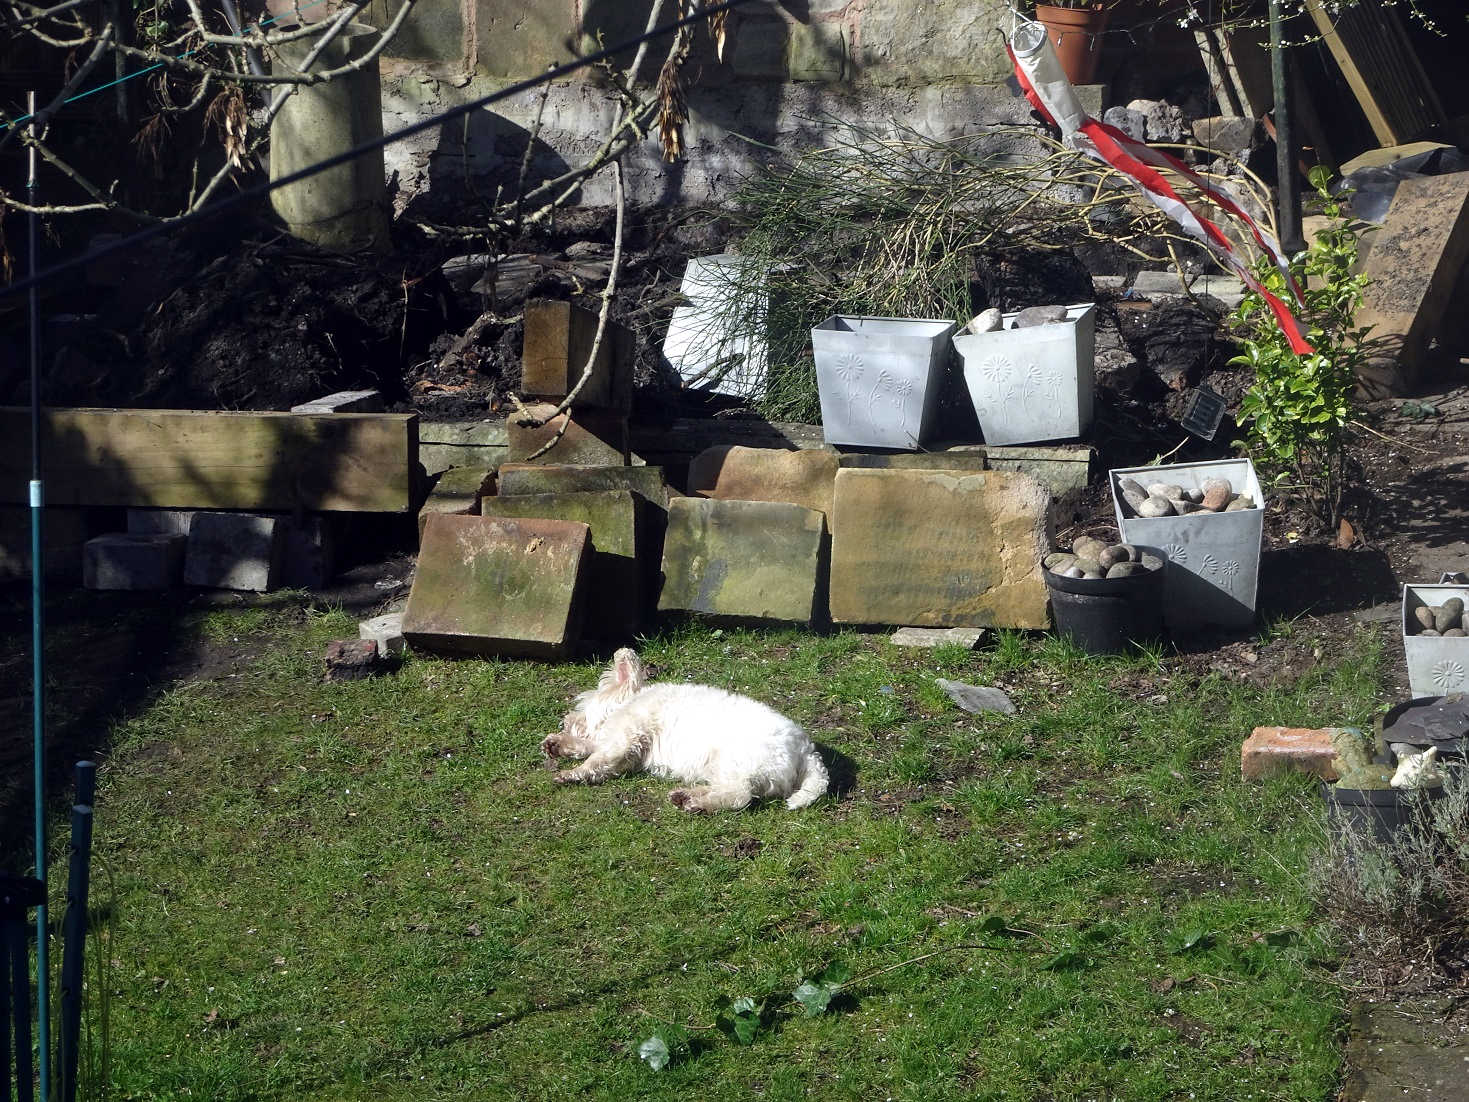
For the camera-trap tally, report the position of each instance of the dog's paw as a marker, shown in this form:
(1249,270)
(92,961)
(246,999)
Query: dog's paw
(566,776)
(551,746)
(684,801)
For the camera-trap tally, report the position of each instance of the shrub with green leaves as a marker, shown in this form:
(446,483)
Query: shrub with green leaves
(1298,412)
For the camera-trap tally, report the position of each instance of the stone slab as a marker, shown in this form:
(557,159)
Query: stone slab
(496,586)
(592,439)
(344,401)
(550,478)
(743,561)
(484,434)
(731,472)
(614,574)
(143,522)
(939,549)
(234,551)
(558,342)
(121,560)
(458,491)
(1271,750)
(1416,1048)
(438,458)
(1413,269)
(968,638)
(386,631)
(1063,469)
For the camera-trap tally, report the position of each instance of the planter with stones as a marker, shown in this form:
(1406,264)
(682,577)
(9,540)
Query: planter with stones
(1435,639)
(1106,597)
(1034,382)
(879,379)
(1210,534)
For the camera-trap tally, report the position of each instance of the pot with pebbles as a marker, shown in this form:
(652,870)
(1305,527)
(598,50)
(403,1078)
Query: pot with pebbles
(1436,638)
(1031,373)
(1105,597)
(1208,519)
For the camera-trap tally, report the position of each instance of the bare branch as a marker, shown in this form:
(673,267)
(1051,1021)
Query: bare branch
(42,117)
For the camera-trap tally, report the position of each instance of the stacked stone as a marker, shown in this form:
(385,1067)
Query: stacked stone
(1166,499)
(1093,558)
(1447,619)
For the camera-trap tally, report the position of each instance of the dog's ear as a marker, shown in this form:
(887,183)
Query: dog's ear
(627,670)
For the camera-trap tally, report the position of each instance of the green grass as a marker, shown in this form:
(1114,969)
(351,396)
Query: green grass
(373,891)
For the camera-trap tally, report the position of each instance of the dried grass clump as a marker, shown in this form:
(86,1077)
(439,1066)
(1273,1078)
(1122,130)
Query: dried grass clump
(1399,911)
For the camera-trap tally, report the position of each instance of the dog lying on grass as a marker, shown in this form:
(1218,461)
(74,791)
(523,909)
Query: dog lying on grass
(734,748)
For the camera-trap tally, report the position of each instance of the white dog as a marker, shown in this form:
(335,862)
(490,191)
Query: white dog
(736,748)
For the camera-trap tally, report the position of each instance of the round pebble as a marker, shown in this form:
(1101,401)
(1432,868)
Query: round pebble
(987,321)
(1151,561)
(1132,492)
(1428,631)
(1155,507)
(1126,570)
(1166,489)
(1424,615)
(1445,618)
(1039,315)
(1058,561)
(1113,555)
(1090,566)
(1457,633)
(1195,496)
(1454,605)
(1217,492)
(1072,571)
(1087,547)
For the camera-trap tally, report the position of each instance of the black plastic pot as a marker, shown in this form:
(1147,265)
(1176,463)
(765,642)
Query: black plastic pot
(1108,615)
(1378,812)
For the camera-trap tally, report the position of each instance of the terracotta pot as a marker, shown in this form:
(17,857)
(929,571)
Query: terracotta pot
(1075,34)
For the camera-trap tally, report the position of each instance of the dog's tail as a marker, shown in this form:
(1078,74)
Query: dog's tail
(813,783)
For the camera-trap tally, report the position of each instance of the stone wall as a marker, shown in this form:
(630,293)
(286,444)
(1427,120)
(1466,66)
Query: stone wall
(790,66)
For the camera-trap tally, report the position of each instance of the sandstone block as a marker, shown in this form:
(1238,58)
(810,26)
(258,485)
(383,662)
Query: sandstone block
(592,439)
(235,551)
(968,638)
(457,492)
(743,560)
(1412,271)
(939,549)
(1288,749)
(731,472)
(558,341)
(550,478)
(140,562)
(614,576)
(492,585)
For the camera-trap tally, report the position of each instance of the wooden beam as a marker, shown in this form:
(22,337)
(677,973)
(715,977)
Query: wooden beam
(194,459)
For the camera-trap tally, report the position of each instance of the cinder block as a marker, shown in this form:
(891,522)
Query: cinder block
(592,439)
(1288,750)
(614,577)
(939,549)
(558,341)
(386,631)
(142,522)
(491,585)
(344,401)
(801,477)
(743,560)
(235,551)
(122,560)
(457,492)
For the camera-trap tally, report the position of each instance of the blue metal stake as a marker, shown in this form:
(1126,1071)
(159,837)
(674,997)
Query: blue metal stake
(38,661)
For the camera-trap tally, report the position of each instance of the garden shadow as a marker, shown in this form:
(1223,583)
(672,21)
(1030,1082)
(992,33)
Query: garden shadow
(1318,580)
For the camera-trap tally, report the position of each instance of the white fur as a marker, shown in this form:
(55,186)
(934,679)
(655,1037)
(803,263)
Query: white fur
(735,748)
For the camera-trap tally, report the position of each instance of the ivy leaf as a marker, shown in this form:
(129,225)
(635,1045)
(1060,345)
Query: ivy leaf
(1063,961)
(813,997)
(993,924)
(654,1052)
(1279,938)
(1195,939)
(836,974)
(744,1005)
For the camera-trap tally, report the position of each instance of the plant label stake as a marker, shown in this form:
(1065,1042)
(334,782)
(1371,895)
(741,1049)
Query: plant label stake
(1205,411)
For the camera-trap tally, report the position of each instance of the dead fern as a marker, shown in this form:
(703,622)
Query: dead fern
(673,104)
(227,114)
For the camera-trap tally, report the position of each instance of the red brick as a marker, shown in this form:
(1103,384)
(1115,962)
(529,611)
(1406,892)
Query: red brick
(1288,749)
(351,659)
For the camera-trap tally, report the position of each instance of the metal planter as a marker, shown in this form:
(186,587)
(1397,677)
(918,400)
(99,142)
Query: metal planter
(879,378)
(1036,383)
(1213,558)
(1436,666)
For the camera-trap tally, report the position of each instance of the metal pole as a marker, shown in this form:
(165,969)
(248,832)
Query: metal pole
(1287,146)
(38,657)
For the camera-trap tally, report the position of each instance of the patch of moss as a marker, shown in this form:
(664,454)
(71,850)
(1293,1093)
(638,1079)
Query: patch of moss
(1354,749)
(1367,777)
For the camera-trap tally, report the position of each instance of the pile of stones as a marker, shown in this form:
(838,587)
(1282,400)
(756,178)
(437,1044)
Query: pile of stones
(992,321)
(1092,558)
(1447,619)
(1165,499)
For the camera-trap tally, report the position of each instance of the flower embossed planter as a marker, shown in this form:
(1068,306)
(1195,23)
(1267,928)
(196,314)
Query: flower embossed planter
(1213,558)
(1437,665)
(1036,383)
(879,378)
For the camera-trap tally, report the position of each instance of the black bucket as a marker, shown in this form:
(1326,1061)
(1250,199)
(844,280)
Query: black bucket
(1108,615)
(1378,813)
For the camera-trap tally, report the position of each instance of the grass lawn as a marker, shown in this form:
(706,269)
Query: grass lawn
(374,891)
